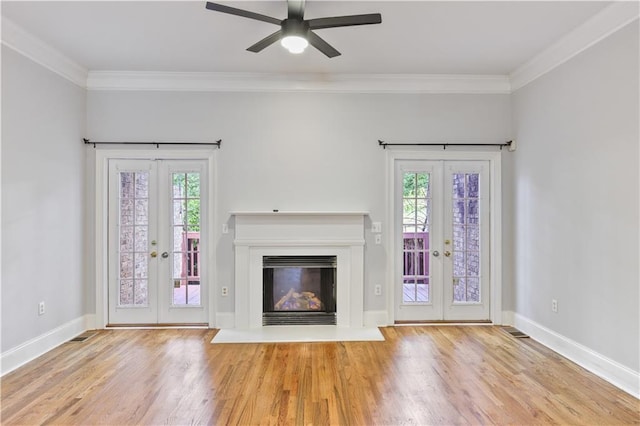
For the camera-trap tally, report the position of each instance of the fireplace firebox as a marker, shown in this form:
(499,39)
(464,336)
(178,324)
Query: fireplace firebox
(299,290)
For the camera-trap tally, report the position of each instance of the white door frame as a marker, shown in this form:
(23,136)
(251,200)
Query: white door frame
(495,219)
(101,159)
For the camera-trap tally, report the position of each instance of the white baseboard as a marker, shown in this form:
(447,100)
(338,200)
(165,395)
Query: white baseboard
(225,320)
(376,319)
(31,349)
(615,373)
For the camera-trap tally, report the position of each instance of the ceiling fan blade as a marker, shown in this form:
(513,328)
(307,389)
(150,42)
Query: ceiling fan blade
(322,45)
(295,9)
(266,42)
(240,12)
(344,21)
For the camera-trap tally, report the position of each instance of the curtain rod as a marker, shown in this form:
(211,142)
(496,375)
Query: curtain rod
(157,144)
(444,145)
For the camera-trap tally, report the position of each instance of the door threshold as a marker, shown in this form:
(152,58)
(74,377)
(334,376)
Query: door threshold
(443,322)
(157,326)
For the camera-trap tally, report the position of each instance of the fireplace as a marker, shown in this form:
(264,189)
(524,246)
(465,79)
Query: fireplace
(281,235)
(299,290)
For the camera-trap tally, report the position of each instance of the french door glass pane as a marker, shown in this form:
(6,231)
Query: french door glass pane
(133,230)
(416,202)
(186,238)
(466,237)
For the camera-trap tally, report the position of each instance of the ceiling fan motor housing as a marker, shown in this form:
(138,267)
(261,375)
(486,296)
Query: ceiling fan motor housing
(295,27)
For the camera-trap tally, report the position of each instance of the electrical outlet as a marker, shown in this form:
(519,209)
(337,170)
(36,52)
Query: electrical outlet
(41,308)
(225,291)
(378,239)
(378,290)
(376,227)
(554,305)
(225,228)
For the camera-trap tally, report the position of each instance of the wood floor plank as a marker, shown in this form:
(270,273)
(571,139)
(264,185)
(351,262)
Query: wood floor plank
(420,375)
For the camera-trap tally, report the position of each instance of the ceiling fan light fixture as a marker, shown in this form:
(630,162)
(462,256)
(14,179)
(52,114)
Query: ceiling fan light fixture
(294,44)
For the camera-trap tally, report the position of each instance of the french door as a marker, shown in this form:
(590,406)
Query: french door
(157,211)
(442,246)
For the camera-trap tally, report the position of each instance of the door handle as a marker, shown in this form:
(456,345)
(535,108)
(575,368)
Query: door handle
(436,253)
(165,255)
(447,253)
(153,254)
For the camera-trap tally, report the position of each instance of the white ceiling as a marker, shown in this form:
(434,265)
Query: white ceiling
(415,37)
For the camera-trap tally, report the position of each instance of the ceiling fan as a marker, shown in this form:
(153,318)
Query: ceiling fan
(296,32)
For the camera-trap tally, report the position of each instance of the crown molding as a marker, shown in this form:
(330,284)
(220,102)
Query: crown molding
(599,27)
(308,82)
(16,38)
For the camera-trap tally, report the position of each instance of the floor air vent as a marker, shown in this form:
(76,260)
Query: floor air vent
(514,332)
(84,336)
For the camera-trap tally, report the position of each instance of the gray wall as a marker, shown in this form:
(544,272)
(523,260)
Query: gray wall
(574,199)
(43,117)
(299,151)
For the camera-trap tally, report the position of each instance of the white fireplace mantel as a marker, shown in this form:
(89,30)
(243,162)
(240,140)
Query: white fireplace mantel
(259,234)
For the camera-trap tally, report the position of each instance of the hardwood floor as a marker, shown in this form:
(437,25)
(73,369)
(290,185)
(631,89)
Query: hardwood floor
(430,375)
